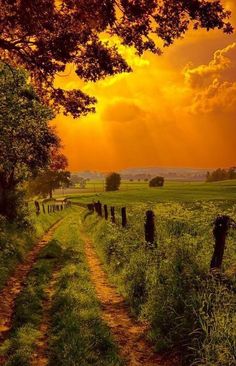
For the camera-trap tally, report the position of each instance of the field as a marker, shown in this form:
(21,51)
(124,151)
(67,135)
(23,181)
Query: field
(97,294)
(137,192)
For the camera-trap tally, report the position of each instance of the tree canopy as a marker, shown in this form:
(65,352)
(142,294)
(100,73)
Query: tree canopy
(52,177)
(45,35)
(113,181)
(25,138)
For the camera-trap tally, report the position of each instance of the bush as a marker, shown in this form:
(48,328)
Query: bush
(113,182)
(156,182)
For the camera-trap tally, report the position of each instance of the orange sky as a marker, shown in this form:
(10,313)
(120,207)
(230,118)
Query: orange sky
(178,109)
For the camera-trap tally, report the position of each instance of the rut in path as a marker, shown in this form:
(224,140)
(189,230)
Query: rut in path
(128,333)
(16,283)
(40,357)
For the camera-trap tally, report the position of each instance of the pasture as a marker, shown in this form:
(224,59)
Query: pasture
(132,193)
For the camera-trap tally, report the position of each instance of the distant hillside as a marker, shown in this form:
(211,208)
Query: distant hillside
(191,174)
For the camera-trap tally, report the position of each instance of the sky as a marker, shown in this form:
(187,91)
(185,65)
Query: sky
(174,110)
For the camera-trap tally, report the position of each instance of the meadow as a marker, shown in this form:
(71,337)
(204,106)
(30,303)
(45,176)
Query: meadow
(132,193)
(168,285)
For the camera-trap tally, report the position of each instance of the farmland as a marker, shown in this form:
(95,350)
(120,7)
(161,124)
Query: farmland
(139,192)
(66,308)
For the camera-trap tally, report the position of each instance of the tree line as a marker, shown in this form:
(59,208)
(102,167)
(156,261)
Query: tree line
(221,174)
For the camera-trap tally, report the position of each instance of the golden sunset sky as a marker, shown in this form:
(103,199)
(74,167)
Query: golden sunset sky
(176,110)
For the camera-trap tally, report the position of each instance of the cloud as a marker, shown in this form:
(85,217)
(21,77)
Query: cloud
(122,110)
(213,86)
(203,75)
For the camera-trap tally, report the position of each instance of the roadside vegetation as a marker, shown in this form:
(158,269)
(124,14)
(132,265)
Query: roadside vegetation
(77,335)
(169,285)
(16,240)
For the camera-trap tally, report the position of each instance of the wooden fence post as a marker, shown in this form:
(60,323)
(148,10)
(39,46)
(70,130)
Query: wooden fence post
(149,227)
(43,208)
(220,231)
(99,208)
(37,207)
(113,218)
(124,217)
(105,212)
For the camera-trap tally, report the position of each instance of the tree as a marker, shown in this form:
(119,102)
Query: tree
(75,179)
(113,182)
(221,174)
(44,36)
(51,178)
(25,138)
(156,182)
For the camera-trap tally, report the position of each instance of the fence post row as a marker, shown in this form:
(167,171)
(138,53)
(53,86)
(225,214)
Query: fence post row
(149,227)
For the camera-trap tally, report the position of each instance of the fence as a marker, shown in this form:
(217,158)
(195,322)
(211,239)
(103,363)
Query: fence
(48,208)
(221,228)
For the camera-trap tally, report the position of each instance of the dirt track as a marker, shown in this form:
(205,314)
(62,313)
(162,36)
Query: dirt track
(16,283)
(129,334)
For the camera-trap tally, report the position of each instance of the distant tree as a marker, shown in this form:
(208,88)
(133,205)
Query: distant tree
(146,180)
(25,138)
(113,181)
(221,174)
(156,182)
(51,178)
(76,180)
(44,36)
(131,180)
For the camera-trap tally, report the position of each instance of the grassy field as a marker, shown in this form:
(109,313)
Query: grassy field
(139,192)
(169,284)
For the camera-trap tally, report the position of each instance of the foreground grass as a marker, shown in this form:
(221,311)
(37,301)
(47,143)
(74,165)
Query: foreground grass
(18,349)
(16,240)
(169,285)
(77,334)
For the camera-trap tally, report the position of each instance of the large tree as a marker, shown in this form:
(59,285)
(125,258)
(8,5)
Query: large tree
(45,35)
(25,137)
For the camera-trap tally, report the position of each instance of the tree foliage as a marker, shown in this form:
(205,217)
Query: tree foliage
(156,182)
(25,138)
(113,181)
(221,174)
(45,35)
(53,177)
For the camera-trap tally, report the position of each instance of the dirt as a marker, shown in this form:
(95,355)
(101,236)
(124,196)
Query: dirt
(40,356)
(16,283)
(129,334)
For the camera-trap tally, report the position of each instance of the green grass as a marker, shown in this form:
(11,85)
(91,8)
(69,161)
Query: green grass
(77,334)
(169,285)
(29,308)
(16,240)
(136,193)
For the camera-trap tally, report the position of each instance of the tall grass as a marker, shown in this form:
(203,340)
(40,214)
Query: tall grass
(169,285)
(17,240)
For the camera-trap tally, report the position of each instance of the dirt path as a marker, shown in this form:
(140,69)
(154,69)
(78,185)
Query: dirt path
(40,357)
(16,283)
(129,334)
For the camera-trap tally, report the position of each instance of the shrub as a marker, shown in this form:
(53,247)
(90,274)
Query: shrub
(113,182)
(156,182)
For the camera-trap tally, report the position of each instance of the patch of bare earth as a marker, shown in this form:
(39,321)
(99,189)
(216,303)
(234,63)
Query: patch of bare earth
(129,334)
(16,283)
